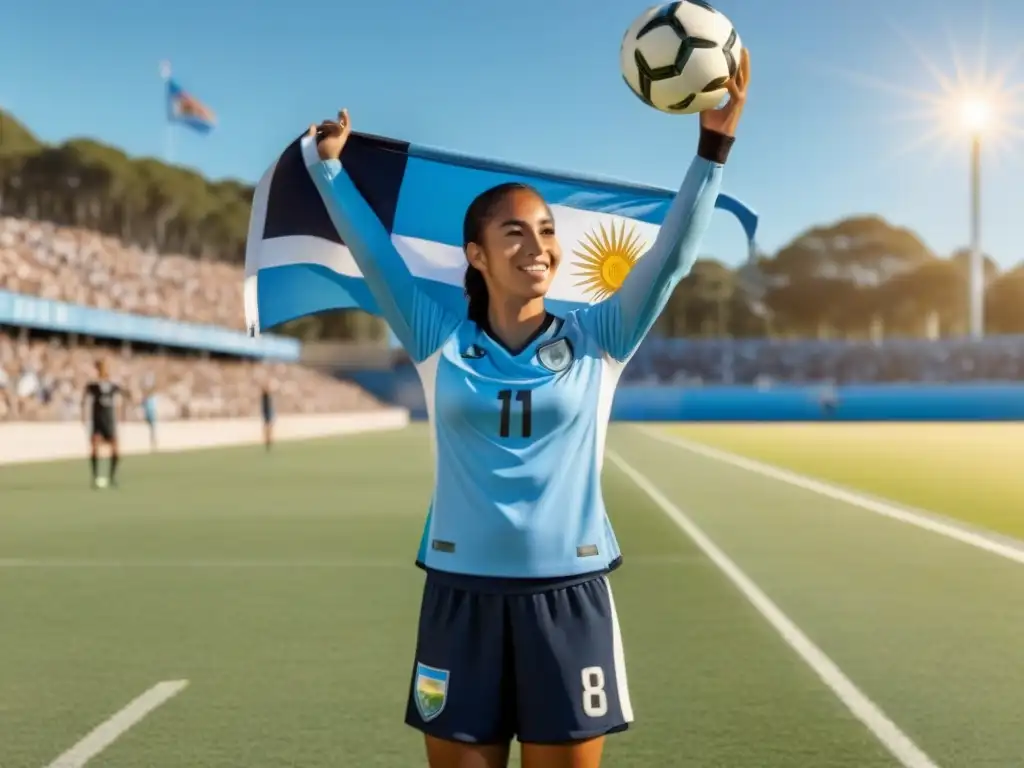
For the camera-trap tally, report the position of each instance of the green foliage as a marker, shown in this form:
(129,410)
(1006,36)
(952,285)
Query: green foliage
(857,278)
(15,138)
(143,201)
(849,279)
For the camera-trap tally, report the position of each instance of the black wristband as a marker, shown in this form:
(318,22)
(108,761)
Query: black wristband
(714,146)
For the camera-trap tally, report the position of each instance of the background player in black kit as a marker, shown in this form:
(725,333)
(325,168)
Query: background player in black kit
(99,404)
(267,407)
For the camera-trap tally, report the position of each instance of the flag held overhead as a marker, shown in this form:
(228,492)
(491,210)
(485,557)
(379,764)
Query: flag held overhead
(296,263)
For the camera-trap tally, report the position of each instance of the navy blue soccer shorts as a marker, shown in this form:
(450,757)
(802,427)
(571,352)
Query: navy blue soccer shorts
(543,664)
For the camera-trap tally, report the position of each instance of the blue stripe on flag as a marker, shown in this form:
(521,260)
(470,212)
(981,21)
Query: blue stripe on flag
(435,195)
(746,217)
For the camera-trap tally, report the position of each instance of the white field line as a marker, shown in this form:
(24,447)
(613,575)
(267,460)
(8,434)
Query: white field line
(865,710)
(108,732)
(919,518)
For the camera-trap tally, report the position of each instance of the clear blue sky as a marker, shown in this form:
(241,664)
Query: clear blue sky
(536,81)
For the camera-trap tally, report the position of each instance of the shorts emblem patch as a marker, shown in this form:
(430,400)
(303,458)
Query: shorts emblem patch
(431,690)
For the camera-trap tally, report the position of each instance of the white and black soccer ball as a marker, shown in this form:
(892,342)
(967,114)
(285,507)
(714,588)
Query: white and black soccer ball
(677,57)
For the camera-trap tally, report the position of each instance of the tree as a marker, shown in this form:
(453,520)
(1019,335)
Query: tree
(1004,303)
(825,282)
(15,138)
(932,294)
(143,201)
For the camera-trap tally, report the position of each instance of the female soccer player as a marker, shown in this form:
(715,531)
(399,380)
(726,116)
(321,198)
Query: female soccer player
(518,635)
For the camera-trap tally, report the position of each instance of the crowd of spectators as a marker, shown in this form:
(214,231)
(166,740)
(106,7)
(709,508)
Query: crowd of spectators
(43,379)
(82,267)
(700,361)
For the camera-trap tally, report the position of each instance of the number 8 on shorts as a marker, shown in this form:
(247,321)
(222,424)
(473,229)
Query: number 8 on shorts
(595,700)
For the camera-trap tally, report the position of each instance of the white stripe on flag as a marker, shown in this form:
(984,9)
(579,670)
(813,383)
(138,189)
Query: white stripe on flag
(447,264)
(254,249)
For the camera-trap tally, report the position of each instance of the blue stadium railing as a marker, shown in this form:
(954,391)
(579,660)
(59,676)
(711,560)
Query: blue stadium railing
(22,311)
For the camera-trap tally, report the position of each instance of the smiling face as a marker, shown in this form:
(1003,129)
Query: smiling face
(517,250)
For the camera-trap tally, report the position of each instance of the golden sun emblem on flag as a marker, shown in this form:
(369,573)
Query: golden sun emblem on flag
(606,257)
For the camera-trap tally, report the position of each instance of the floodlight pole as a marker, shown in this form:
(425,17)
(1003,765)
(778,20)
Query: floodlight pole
(976,281)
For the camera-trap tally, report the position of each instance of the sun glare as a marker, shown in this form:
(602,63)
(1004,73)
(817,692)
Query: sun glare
(980,100)
(975,115)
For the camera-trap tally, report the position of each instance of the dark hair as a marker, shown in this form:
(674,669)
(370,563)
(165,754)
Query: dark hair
(478,214)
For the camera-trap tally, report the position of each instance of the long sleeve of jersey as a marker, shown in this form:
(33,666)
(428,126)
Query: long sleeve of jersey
(620,322)
(420,323)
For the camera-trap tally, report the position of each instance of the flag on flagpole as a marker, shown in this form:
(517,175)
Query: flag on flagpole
(296,263)
(185,109)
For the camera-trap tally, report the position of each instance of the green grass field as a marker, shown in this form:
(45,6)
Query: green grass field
(282,589)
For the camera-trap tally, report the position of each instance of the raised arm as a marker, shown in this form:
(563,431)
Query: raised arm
(420,323)
(620,322)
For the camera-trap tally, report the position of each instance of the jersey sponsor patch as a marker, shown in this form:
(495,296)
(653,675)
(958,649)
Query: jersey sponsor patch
(556,355)
(431,690)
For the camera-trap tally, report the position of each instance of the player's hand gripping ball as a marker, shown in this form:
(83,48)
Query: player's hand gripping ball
(679,57)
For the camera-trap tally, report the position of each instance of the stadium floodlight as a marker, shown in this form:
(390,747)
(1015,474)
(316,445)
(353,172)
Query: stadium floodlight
(978,104)
(976,117)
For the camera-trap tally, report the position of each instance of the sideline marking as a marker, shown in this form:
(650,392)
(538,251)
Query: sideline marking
(918,518)
(885,730)
(108,732)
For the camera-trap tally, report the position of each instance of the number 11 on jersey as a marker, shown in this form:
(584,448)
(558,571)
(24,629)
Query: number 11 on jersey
(522,396)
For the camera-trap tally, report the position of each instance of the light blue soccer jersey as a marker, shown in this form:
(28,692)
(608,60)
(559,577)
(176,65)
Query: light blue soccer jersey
(519,437)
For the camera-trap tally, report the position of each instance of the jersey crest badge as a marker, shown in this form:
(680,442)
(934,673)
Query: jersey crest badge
(430,690)
(556,356)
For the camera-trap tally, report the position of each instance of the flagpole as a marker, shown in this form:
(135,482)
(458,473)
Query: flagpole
(169,143)
(165,75)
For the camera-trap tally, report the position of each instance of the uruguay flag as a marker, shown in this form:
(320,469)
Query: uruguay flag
(296,263)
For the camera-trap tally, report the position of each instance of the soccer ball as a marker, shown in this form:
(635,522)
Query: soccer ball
(101,482)
(678,57)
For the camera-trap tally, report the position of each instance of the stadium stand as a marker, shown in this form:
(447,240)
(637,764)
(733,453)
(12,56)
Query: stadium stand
(766,361)
(50,274)
(81,267)
(43,379)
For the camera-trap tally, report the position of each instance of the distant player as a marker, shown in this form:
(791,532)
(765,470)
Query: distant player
(518,634)
(101,402)
(149,412)
(267,411)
